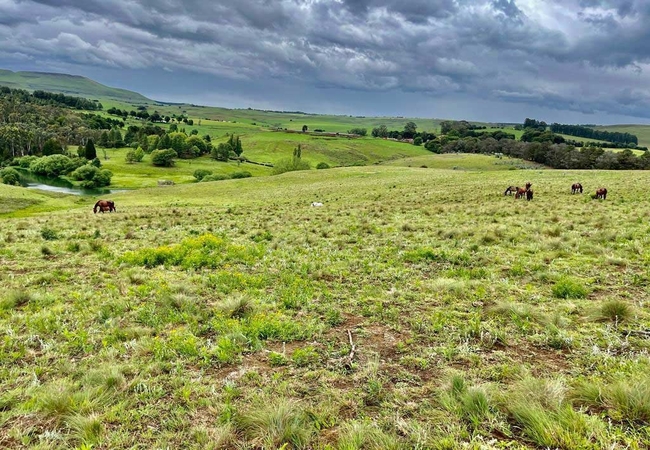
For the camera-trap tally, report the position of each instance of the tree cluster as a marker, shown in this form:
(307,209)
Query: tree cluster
(557,156)
(143,114)
(591,133)
(49,98)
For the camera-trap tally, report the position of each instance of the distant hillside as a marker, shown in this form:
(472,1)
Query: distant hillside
(68,84)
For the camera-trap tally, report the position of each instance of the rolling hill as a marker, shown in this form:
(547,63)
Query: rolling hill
(68,84)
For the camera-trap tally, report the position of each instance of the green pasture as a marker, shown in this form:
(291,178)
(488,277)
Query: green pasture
(464,161)
(417,308)
(641,131)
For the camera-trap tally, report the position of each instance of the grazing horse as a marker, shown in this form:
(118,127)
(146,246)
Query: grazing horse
(104,205)
(600,193)
(576,188)
(511,190)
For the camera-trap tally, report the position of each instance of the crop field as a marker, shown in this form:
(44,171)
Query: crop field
(418,308)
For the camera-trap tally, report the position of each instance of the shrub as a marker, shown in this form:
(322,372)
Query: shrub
(26,161)
(10,176)
(290,165)
(569,288)
(163,158)
(96,162)
(215,177)
(86,172)
(101,178)
(133,156)
(199,174)
(242,174)
(322,165)
(51,166)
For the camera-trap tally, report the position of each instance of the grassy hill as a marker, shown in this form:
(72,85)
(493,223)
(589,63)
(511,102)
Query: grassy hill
(68,84)
(418,308)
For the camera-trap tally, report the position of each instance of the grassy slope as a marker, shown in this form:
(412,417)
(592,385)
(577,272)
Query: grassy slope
(68,84)
(641,131)
(453,295)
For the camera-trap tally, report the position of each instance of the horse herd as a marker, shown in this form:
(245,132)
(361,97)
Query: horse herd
(527,192)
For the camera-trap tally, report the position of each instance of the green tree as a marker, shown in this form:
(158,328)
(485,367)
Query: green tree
(380,131)
(91,152)
(409,130)
(163,158)
(164,142)
(52,147)
(221,152)
(237,149)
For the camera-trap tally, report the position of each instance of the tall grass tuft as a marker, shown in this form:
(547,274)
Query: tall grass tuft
(545,417)
(366,435)
(16,299)
(567,287)
(276,424)
(624,399)
(615,311)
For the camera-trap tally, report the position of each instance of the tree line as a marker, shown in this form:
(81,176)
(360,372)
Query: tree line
(143,114)
(591,133)
(49,98)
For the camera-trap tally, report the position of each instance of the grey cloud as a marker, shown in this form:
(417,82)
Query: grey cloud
(503,50)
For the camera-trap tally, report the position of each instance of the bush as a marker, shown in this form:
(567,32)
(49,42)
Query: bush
(199,174)
(242,174)
(96,162)
(51,166)
(290,165)
(84,173)
(26,161)
(322,165)
(163,158)
(215,177)
(10,176)
(101,178)
(136,155)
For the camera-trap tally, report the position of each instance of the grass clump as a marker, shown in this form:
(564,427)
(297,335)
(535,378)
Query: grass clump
(615,311)
(49,234)
(470,404)
(277,424)
(16,299)
(623,400)
(366,435)
(545,416)
(567,287)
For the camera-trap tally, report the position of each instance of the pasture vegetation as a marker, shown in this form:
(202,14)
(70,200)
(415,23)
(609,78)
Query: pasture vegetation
(418,308)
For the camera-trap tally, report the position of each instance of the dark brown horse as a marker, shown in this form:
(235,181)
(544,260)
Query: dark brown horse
(511,190)
(600,193)
(576,188)
(104,205)
(529,194)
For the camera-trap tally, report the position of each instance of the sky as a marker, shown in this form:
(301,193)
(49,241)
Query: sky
(569,61)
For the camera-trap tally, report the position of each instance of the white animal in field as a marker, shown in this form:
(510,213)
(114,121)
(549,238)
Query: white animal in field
(316,204)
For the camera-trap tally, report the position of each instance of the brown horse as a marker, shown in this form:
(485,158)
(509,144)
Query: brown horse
(511,190)
(600,193)
(523,192)
(104,205)
(576,188)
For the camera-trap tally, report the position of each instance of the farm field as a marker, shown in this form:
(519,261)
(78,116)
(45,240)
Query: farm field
(418,308)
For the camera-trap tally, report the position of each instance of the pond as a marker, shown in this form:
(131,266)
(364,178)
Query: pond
(33,181)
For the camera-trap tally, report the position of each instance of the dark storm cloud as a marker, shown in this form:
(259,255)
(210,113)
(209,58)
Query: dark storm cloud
(589,56)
